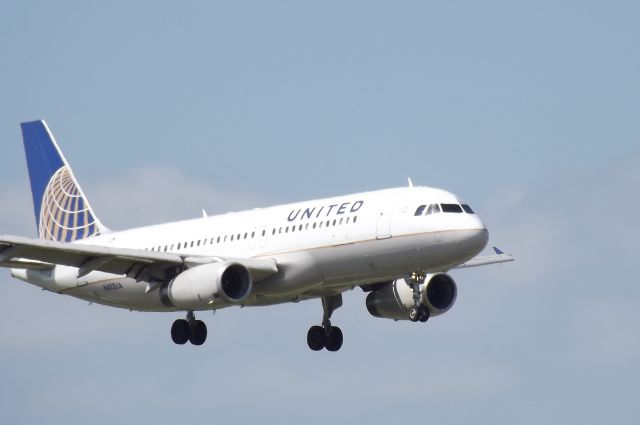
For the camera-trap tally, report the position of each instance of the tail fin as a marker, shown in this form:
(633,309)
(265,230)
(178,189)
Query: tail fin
(62,210)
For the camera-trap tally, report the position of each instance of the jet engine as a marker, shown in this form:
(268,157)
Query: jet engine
(393,300)
(204,285)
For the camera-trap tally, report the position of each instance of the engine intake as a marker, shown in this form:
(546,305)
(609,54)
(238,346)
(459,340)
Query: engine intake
(440,294)
(393,301)
(202,286)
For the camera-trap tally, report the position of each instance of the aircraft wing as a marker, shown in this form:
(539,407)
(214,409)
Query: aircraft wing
(21,252)
(499,257)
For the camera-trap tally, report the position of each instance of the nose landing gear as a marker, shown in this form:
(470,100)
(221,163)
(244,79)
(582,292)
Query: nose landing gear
(192,330)
(419,312)
(326,336)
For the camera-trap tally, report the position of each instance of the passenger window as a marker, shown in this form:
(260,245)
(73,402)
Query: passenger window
(355,218)
(314,225)
(179,246)
(451,208)
(245,236)
(300,227)
(420,210)
(467,209)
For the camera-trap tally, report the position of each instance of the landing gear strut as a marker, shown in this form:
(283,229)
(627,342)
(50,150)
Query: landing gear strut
(418,312)
(192,330)
(326,336)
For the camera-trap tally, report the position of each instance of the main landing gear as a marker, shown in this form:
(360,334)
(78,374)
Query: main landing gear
(192,330)
(418,312)
(326,336)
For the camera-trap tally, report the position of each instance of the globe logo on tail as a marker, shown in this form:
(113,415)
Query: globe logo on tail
(65,215)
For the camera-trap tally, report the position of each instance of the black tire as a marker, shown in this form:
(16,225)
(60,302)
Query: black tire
(334,339)
(198,334)
(414,315)
(180,331)
(424,314)
(316,338)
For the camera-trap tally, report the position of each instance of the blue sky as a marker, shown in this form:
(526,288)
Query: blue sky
(528,110)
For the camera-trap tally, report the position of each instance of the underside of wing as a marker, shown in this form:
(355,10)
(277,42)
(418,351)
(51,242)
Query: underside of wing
(20,252)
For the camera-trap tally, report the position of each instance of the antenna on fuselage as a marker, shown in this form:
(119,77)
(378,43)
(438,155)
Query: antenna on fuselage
(410,182)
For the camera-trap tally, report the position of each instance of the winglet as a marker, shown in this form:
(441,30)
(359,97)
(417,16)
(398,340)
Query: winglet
(500,257)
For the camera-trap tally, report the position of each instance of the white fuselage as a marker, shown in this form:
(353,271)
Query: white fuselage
(322,247)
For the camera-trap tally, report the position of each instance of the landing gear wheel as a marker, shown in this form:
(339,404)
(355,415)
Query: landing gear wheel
(424,314)
(180,331)
(414,314)
(198,333)
(333,339)
(316,338)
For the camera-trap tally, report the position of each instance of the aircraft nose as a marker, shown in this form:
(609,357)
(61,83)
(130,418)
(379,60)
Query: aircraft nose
(475,240)
(476,234)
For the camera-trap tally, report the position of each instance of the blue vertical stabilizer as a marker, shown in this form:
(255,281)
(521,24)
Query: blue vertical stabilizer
(62,211)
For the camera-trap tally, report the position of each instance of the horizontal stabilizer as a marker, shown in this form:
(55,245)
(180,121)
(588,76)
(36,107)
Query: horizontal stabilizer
(26,264)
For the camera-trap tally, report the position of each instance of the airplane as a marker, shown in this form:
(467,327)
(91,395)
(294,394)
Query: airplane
(397,244)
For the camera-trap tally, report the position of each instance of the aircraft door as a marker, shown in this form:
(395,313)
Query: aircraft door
(383,226)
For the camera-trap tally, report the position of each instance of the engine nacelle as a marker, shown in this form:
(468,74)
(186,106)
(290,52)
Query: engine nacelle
(393,301)
(202,286)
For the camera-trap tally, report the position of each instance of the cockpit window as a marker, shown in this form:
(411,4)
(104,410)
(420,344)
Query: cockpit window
(420,210)
(433,209)
(467,209)
(451,208)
